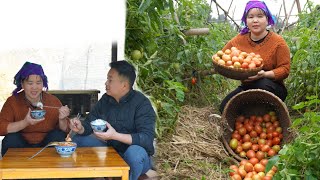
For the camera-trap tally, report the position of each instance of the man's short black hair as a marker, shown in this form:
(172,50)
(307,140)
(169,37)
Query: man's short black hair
(125,70)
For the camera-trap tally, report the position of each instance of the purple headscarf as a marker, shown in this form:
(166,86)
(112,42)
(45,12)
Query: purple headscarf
(255,4)
(26,70)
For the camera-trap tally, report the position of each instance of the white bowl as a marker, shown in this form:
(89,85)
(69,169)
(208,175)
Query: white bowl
(98,125)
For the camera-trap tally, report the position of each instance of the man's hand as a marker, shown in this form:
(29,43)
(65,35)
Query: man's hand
(76,126)
(110,134)
(30,121)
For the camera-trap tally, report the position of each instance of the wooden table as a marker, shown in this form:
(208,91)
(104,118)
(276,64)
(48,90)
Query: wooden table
(85,162)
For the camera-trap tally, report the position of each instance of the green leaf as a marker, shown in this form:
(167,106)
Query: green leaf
(144,5)
(271,162)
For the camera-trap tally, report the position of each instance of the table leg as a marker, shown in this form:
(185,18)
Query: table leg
(125,175)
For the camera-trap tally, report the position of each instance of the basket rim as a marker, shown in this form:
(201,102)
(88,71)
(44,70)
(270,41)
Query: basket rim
(255,90)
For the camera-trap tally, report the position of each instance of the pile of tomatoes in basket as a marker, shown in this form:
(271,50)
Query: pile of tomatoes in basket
(237,59)
(256,138)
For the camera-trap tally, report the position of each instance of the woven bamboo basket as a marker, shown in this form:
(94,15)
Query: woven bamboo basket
(235,73)
(254,102)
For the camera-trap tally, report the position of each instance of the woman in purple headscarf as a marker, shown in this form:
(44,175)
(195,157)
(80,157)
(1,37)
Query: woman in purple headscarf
(255,37)
(17,125)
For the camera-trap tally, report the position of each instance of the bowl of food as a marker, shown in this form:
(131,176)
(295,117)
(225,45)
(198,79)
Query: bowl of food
(38,114)
(98,125)
(66,149)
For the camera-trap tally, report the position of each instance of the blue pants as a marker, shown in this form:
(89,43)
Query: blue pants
(16,140)
(276,88)
(135,156)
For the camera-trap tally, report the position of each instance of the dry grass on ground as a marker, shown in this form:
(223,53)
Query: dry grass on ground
(195,150)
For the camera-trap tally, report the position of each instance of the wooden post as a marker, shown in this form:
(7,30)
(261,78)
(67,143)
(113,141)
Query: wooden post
(196,31)
(298,6)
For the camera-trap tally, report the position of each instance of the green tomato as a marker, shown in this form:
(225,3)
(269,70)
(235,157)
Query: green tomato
(136,55)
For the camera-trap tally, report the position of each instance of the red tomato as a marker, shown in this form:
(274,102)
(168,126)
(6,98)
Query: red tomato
(266,118)
(254,161)
(236,136)
(251,154)
(253,134)
(264,162)
(248,167)
(260,155)
(271,153)
(242,131)
(258,129)
(193,80)
(259,167)
(246,138)
(276,141)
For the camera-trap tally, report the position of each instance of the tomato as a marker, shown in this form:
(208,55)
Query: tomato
(193,80)
(263,135)
(259,167)
(236,177)
(259,119)
(243,162)
(273,118)
(270,129)
(246,145)
(266,118)
(248,167)
(271,153)
(261,141)
(258,129)
(236,136)
(276,124)
(276,141)
(264,162)
(275,134)
(242,131)
(279,129)
(242,173)
(248,127)
(269,135)
(265,148)
(243,154)
(276,148)
(254,161)
(239,149)
(233,143)
(255,147)
(246,138)
(253,134)
(251,154)
(260,155)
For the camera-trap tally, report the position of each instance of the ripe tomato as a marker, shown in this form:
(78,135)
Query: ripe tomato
(259,167)
(276,141)
(248,167)
(254,161)
(193,80)
(251,154)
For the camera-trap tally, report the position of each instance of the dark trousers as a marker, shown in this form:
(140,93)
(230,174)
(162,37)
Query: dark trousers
(264,83)
(16,140)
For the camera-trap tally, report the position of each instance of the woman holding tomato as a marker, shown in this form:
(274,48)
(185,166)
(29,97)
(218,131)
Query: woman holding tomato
(256,37)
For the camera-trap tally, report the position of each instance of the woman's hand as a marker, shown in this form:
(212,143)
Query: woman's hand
(108,135)
(30,121)
(64,112)
(260,74)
